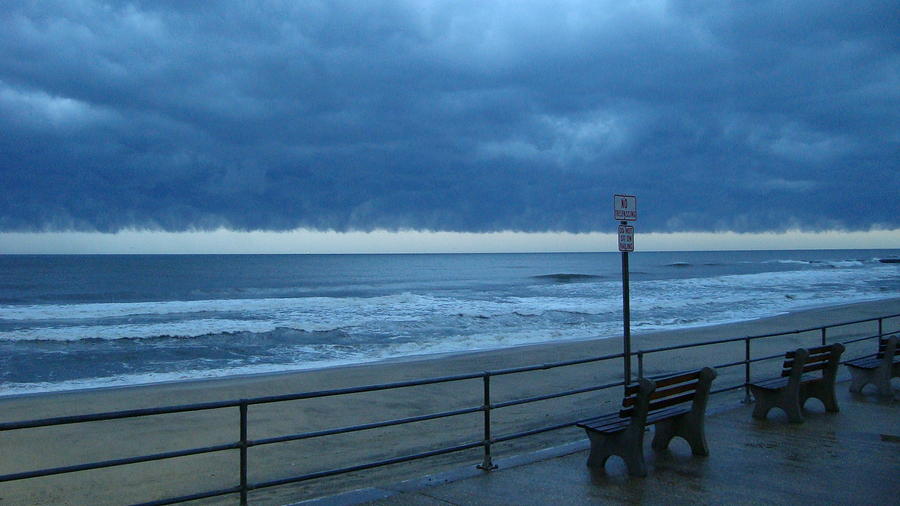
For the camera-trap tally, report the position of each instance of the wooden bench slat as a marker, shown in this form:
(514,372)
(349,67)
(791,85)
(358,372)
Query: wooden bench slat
(771,384)
(632,390)
(613,425)
(819,355)
(816,359)
(812,359)
(598,418)
(864,363)
(617,427)
(678,378)
(676,389)
(599,422)
(661,404)
(814,367)
(814,362)
(658,394)
(672,401)
(812,351)
(776,383)
(664,414)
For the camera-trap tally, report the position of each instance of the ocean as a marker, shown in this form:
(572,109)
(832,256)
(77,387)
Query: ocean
(72,322)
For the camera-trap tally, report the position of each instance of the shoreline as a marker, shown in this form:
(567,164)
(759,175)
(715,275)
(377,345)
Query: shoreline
(653,335)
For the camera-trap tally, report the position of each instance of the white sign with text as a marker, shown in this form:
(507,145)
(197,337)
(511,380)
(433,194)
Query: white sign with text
(626,238)
(625,207)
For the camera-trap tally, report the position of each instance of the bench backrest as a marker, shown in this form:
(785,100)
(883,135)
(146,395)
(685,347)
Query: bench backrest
(820,358)
(885,346)
(668,391)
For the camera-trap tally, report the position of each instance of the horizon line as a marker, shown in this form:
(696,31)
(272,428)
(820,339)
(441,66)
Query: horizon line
(304,241)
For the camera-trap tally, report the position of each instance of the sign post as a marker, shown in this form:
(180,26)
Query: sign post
(625,210)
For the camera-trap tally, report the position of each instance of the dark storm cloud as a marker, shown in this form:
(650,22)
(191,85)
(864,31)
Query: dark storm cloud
(465,116)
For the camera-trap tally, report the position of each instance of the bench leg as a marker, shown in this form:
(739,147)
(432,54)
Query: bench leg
(626,444)
(600,450)
(883,382)
(767,399)
(634,459)
(824,391)
(693,433)
(764,402)
(761,409)
(831,404)
(663,435)
(829,399)
(794,413)
(859,378)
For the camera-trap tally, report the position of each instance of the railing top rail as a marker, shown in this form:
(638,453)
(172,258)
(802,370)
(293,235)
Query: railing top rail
(690,345)
(552,365)
(763,336)
(115,415)
(857,321)
(182,408)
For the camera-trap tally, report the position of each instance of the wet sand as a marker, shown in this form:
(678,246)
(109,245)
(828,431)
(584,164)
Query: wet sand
(25,450)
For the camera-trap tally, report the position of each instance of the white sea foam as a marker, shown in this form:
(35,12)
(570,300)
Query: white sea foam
(189,328)
(327,355)
(385,315)
(123,309)
(823,263)
(286,331)
(162,377)
(195,318)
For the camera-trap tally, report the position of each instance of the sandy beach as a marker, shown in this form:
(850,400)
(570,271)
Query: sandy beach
(25,450)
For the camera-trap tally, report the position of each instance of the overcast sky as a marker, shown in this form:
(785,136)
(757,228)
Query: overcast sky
(457,116)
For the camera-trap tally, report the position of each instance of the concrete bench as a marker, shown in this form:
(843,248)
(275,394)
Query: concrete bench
(805,373)
(676,405)
(877,368)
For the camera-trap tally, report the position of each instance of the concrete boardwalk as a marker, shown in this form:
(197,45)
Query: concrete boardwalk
(852,457)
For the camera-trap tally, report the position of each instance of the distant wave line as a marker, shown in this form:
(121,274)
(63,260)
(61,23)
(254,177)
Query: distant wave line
(567,277)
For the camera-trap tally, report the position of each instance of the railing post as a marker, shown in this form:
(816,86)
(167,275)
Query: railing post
(824,330)
(747,370)
(880,328)
(640,355)
(487,464)
(243,408)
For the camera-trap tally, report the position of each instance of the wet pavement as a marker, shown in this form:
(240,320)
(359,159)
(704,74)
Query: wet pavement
(851,457)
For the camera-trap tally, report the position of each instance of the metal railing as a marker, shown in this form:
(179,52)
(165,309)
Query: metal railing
(486,408)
